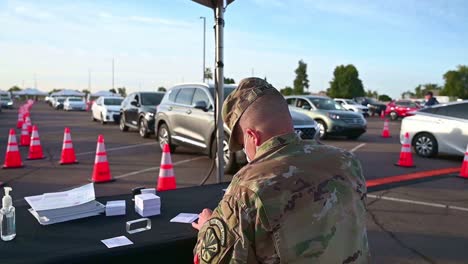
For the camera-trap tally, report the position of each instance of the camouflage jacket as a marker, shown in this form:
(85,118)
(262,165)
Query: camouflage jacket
(296,202)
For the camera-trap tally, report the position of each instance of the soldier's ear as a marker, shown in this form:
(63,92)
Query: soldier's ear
(255,135)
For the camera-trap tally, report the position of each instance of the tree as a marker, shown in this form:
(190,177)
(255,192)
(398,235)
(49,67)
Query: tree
(301,82)
(14,89)
(112,90)
(229,80)
(346,83)
(456,82)
(421,90)
(384,98)
(161,89)
(407,95)
(122,91)
(287,91)
(86,92)
(372,94)
(55,91)
(208,74)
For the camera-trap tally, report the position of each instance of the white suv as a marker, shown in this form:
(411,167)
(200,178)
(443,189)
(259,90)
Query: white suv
(352,105)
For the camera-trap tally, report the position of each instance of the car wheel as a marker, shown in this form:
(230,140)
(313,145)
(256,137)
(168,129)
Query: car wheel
(393,116)
(230,164)
(102,120)
(322,129)
(143,128)
(123,127)
(164,137)
(425,145)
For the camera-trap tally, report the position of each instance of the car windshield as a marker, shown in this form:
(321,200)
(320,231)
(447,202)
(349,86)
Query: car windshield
(406,104)
(112,101)
(151,98)
(326,104)
(351,102)
(4,97)
(61,100)
(372,101)
(75,100)
(227,91)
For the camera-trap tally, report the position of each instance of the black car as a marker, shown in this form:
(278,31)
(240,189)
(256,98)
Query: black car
(137,111)
(375,107)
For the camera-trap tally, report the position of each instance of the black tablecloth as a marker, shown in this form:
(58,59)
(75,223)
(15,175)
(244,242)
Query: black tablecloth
(79,241)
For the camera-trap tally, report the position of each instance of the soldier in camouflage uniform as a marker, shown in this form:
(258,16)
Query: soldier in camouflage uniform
(295,202)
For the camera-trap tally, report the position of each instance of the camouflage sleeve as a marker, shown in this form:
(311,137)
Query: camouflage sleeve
(229,235)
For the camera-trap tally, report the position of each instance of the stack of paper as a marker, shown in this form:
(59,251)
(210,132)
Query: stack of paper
(51,208)
(115,208)
(147,204)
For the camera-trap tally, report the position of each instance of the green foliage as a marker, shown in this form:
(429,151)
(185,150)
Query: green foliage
(384,98)
(161,89)
(122,91)
(301,82)
(407,94)
(208,74)
(229,80)
(287,91)
(346,83)
(112,90)
(54,91)
(372,94)
(421,90)
(14,89)
(85,91)
(456,82)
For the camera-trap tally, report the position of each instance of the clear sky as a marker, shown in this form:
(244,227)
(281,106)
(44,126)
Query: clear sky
(395,45)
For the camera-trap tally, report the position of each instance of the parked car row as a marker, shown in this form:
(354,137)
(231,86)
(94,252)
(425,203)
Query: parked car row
(67,103)
(6,101)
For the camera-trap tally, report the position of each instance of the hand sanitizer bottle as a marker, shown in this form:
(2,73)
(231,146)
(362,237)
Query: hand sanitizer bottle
(7,217)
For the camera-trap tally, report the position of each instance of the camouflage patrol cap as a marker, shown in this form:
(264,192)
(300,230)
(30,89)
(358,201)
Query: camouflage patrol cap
(249,90)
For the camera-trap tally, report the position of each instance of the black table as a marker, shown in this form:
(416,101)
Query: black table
(79,241)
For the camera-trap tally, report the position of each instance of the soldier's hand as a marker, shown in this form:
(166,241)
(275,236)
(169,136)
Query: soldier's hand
(204,216)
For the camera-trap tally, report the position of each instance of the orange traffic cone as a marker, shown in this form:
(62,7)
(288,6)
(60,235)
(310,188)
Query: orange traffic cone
(406,158)
(29,124)
(386,130)
(25,140)
(19,124)
(13,156)
(101,172)
(464,169)
(166,180)
(68,153)
(382,114)
(35,148)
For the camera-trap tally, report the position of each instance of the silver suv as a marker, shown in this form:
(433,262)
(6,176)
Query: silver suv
(185,117)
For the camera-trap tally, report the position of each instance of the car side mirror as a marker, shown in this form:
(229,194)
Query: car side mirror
(200,105)
(134,103)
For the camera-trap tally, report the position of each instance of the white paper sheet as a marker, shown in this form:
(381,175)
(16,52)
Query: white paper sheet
(57,200)
(184,218)
(117,242)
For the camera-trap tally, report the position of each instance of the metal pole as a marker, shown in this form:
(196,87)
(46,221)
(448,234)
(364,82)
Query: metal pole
(219,81)
(112,73)
(204,46)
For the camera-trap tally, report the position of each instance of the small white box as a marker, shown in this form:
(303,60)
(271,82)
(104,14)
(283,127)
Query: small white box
(115,208)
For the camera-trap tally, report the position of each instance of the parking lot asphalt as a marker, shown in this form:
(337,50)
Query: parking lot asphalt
(404,226)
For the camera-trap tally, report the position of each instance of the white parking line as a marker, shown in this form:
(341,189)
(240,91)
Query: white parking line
(156,168)
(357,147)
(118,148)
(418,202)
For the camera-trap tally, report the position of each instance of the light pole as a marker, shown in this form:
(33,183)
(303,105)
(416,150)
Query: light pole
(204,46)
(112,73)
(89,80)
